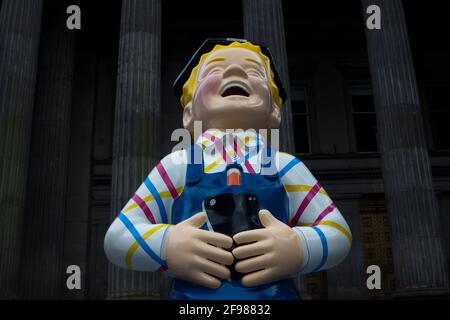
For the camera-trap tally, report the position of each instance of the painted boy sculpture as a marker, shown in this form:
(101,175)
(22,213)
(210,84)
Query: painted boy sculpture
(230,84)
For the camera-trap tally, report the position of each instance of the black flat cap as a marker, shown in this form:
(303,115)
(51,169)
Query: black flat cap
(206,47)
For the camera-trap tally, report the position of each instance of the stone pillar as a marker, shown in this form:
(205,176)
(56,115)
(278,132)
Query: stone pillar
(20,24)
(264,22)
(419,261)
(136,124)
(43,227)
(77,235)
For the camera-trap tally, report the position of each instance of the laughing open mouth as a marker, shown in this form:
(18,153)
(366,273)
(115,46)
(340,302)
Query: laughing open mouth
(235,89)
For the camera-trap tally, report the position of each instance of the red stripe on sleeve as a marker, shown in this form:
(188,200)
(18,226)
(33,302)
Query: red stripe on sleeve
(141,203)
(324,213)
(167,181)
(310,195)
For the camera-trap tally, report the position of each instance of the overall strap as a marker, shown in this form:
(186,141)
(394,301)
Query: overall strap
(268,164)
(194,170)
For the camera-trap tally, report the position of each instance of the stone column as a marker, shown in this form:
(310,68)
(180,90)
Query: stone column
(43,228)
(20,24)
(419,262)
(77,229)
(136,124)
(264,22)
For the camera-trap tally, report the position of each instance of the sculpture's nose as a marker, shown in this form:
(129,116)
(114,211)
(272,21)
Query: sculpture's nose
(235,70)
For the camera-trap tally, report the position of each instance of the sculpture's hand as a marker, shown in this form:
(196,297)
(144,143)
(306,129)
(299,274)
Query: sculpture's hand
(196,255)
(272,253)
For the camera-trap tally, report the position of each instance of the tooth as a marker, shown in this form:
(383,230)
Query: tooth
(235,84)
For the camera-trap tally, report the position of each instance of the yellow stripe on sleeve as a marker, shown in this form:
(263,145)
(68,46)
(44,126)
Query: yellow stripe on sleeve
(135,245)
(331,224)
(162,194)
(302,188)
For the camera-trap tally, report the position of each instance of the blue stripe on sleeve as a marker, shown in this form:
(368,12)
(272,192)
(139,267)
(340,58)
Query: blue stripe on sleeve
(288,167)
(323,239)
(139,239)
(155,193)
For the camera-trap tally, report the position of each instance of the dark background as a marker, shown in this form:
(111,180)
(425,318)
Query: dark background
(332,108)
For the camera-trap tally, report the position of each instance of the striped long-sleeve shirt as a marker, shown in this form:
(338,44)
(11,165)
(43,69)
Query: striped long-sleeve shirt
(137,238)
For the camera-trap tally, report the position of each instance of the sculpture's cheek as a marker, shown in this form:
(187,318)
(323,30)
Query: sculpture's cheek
(209,86)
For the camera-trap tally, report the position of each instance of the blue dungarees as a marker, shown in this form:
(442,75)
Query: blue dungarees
(271,196)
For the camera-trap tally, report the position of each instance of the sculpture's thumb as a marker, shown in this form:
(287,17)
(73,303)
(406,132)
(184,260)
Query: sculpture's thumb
(197,220)
(267,219)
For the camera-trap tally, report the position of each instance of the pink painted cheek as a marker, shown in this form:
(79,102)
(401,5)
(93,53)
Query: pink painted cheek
(207,87)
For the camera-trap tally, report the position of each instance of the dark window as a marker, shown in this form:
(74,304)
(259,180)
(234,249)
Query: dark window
(364,119)
(300,119)
(438,100)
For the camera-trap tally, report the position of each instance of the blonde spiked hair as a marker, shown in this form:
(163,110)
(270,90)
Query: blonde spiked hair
(190,84)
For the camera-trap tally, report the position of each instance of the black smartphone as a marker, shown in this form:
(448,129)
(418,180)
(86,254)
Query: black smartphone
(231,213)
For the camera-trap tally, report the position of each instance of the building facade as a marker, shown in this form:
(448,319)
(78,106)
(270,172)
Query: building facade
(85,114)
